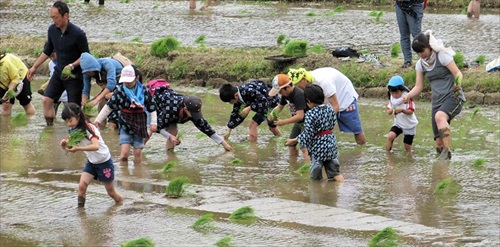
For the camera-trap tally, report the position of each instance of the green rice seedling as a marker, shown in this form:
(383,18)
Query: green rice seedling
(75,137)
(459,59)
(200,135)
(124,1)
(10,94)
(68,73)
(89,110)
(168,166)
(136,39)
(200,40)
(244,11)
(475,112)
(339,9)
(311,14)
(204,223)
(480,59)
(243,213)
(387,237)
(463,11)
(224,242)
(395,50)
(176,187)
(447,186)
(282,40)
(479,163)
(163,46)
(318,49)
(20,119)
(43,137)
(180,135)
(296,48)
(16,142)
(139,242)
(236,162)
(303,169)
(118,32)
(377,15)
(155,6)
(274,114)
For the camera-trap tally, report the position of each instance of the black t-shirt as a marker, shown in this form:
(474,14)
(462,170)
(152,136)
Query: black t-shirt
(296,101)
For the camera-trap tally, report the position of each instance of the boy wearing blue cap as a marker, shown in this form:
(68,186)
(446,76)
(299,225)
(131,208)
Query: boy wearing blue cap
(405,121)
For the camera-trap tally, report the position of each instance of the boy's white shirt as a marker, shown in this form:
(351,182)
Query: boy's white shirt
(333,82)
(402,120)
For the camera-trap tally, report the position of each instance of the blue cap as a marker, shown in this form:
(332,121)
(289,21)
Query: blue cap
(396,81)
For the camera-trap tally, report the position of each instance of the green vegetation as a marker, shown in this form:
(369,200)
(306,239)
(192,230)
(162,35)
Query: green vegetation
(180,135)
(387,237)
(395,50)
(447,186)
(168,166)
(338,9)
(274,114)
(480,59)
(459,59)
(295,48)
(303,169)
(20,119)
(10,94)
(318,49)
(139,242)
(136,39)
(377,15)
(176,187)
(478,164)
(89,110)
(200,40)
(224,242)
(236,161)
(68,73)
(204,223)
(243,213)
(162,47)
(75,137)
(282,40)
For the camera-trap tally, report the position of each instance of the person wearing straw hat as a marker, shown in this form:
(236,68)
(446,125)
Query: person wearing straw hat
(437,65)
(339,92)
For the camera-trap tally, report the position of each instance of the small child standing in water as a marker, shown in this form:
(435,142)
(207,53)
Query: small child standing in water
(317,135)
(405,120)
(99,164)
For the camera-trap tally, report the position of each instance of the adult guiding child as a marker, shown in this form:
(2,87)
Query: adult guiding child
(69,41)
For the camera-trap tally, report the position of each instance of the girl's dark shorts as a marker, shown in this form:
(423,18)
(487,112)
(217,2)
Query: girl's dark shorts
(104,172)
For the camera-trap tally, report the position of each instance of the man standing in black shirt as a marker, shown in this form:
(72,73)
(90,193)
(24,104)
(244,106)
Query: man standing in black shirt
(69,42)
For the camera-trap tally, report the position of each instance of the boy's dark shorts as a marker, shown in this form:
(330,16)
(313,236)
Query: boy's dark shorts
(104,172)
(24,96)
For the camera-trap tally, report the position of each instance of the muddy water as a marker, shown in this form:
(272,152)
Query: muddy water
(239,24)
(38,188)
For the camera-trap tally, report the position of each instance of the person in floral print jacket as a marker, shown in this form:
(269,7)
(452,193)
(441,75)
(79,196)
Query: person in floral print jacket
(251,96)
(174,108)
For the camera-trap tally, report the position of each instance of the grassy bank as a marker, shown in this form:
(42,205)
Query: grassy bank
(210,67)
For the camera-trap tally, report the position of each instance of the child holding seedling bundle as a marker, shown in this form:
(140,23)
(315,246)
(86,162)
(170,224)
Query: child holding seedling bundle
(294,97)
(14,84)
(405,120)
(86,137)
(318,137)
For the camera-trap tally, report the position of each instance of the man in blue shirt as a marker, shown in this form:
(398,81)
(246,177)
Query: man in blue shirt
(69,41)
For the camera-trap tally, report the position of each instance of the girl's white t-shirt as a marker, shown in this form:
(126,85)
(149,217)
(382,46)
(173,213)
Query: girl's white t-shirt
(102,154)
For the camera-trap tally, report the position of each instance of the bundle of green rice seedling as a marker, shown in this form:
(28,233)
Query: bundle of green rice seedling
(243,213)
(303,169)
(68,73)
(204,222)
(395,49)
(162,47)
(447,186)
(236,161)
(459,59)
(20,119)
(200,40)
(176,187)
(10,94)
(479,163)
(139,242)
(90,111)
(387,237)
(480,59)
(273,114)
(282,40)
(75,137)
(296,48)
(224,242)
(169,165)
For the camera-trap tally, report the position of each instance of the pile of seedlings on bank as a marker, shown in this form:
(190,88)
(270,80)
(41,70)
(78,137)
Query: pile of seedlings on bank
(139,242)
(175,188)
(162,47)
